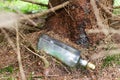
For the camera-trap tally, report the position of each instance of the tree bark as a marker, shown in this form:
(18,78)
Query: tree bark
(74,20)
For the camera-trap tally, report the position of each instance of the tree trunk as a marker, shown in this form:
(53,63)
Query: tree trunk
(75,19)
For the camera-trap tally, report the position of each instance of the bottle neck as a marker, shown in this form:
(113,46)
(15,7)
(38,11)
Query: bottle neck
(83,62)
(87,64)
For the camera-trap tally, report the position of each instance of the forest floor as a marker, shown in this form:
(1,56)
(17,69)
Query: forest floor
(107,67)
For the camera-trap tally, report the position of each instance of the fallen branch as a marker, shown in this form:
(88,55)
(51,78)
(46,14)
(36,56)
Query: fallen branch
(107,10)
(10,19)
(96,12)
(51,7)
(31,21)
(98,18)
(37,3)
(17,50)
(19,55)
(45,12)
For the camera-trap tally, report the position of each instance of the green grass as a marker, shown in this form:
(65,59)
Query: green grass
(7,73)
(8,69)
(22,6)
(110,60)
(25,7)
(116,3)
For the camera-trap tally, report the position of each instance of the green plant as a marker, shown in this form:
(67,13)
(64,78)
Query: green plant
(8,69)
(110,60)
(22,6)
(116,3)
(7,73)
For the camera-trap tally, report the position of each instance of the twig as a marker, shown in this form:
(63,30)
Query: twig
(9,40)
(111,30)
(31,21)
(103,54)
(23,15)
(69,14)
(96,12)
(41,57)
(19,55)
(115,22)
(98,18)
(37,3)
(107,10)
(46,12)
(52,7)
(62,65)
(28,41)
(39,76)
(17,18)
(17,50)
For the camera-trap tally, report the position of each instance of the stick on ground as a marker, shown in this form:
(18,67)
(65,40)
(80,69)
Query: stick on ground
(19,55)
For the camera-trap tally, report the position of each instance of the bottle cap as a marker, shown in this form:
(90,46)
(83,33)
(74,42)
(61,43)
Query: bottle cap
(91,65)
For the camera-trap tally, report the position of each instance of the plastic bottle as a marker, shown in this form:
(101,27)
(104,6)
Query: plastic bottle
(68,55)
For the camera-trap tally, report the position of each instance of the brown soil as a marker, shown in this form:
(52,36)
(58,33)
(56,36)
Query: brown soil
(57,70)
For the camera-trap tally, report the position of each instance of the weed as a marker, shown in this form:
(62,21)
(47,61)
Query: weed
(8,69)
(110,60)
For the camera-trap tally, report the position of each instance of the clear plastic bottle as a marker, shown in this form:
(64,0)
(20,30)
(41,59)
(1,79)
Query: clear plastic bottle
(68,55)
